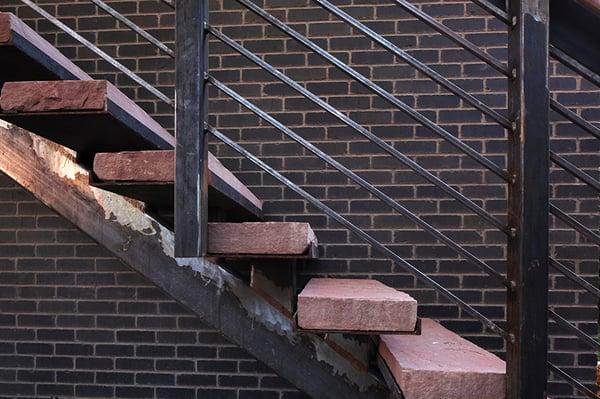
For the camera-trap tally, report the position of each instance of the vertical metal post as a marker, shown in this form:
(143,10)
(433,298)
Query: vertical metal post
(191,170)
(528,163)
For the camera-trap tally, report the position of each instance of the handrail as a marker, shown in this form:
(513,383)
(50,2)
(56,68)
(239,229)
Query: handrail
(170,3)
(361,234)
(574,277)
(574,383)
(575,65)
(574,170)
(453,36)
(141,32)
(493,10)
(418,65)
(589,341)
(576,119)
(378,90)
(90,46)
(574,223)
(360,181)
(363,131)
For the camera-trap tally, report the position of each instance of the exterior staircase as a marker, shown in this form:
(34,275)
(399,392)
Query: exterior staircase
(92,155)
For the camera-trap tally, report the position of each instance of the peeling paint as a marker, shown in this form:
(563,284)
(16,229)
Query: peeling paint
(259,309)
(342,366)
(120,210)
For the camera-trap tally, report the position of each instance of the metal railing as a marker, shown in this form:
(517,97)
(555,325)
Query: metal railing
(526,70)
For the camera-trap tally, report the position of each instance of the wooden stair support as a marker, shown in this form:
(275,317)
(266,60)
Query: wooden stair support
(440,364)
(93,116)
(358,306)
(220,299)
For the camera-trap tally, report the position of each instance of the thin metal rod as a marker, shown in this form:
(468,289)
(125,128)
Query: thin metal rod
(455,37)
(170,3)
(576,119)
(363,131)
(574,277)
(360,233)
(90,46)
(589,341)
(492,9)
(415,63)
(574,223)
(378,90)
(360,181)
(575,65)
(574,170)
(574,383)
(118,16)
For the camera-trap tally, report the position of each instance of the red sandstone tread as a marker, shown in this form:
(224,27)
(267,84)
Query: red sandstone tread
(441,364)
(270,239)
(158,167)
(355,305)
(10,26)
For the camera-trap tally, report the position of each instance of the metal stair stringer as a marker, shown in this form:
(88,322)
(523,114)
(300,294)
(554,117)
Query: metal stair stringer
(50,173)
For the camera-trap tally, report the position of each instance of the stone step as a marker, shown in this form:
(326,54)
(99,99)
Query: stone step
(262,240)
(86,116)
(91,116)
(441,364)
(358,306)
(149,176)
(26,55)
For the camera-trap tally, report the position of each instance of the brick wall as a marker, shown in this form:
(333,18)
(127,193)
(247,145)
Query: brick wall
(342,254)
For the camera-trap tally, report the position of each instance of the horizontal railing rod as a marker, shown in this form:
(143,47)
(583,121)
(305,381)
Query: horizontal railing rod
(576,119)
(574,277)
(430,177)
(90,46)
(493,10)
(574,170)
(415,115)
(564,323)
(131,25)
(360,233)
(572,381)
(453,36)
(574,223)
(575,65)
(360,181)
(415,63)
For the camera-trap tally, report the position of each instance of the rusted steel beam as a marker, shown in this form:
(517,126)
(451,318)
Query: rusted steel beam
(221,300)
(528,206)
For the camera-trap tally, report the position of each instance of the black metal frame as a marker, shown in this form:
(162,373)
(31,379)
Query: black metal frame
(528,157)
(191,111)
(528,160)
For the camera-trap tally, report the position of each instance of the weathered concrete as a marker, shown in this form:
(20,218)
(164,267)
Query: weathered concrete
(440,364)
(355,305)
